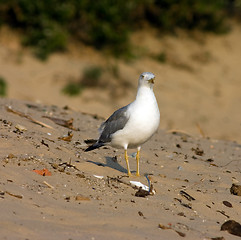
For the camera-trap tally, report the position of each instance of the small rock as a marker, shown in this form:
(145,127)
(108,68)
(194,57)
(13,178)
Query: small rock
(10,156)
(227,204)
(163,226)
(67,199)
(55,165)
(20,128)
(81,198)
(140,214)
(80,175)
(198,151)
(142,193)
(232,227)
(235,189)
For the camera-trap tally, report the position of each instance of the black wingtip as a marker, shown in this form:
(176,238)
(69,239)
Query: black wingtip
(94,146)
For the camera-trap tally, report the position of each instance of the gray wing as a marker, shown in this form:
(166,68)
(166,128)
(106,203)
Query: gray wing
(115,122)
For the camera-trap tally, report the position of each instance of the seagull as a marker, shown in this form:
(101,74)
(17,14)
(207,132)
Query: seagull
(134,124)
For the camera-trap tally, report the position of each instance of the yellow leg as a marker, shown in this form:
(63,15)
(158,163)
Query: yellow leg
(127,163)
(137,163)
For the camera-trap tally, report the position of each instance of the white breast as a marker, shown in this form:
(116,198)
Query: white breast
(143,122)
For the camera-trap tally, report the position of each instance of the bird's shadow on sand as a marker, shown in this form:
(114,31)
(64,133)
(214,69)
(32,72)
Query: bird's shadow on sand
(111,162)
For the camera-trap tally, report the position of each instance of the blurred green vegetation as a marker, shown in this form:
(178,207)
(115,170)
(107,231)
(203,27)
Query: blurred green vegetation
(91,78)
(72,88)
(48,24)
(3,87)
(161,57)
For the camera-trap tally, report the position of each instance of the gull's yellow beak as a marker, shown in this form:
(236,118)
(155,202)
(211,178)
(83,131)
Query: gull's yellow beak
(151,80)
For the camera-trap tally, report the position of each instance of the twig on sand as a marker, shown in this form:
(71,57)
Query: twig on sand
(49,185)
(62,122)
(14,195)
(175,131)
(9,109)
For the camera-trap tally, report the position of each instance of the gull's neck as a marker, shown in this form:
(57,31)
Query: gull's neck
(143,91)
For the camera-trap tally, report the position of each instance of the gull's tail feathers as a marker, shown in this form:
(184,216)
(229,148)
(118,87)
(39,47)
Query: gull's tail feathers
(94,146)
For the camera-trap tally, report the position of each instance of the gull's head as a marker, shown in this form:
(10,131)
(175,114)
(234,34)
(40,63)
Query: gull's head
(147,79)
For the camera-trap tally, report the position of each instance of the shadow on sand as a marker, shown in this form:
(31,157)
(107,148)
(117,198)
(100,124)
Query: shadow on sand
(111,162)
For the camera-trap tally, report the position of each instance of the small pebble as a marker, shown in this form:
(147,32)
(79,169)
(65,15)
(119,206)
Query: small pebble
(227,204)
(21,128)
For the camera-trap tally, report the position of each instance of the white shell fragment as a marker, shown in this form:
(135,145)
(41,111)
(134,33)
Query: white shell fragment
(97,176)
(139,184)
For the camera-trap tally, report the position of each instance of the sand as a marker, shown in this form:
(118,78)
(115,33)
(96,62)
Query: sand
(192,161)
(88,195)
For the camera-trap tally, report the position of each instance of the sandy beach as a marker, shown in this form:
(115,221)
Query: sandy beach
(87,195)
(51,189)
